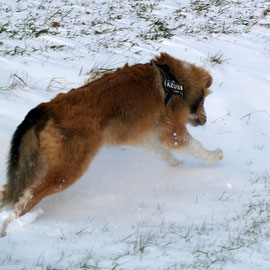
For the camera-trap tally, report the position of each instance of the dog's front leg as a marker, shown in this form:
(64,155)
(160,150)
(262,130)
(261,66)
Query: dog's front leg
(195,148)
(182,141)
(163,152)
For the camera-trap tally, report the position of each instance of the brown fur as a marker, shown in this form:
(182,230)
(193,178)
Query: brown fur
(123,107)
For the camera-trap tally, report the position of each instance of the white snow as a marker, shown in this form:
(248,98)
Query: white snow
(129,210)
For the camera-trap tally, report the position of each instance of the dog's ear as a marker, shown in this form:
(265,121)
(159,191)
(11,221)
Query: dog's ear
(208,81)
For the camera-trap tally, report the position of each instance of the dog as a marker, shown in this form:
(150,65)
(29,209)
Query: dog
(148,104)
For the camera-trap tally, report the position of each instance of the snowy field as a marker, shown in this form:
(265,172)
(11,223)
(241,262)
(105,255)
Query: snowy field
(130,211)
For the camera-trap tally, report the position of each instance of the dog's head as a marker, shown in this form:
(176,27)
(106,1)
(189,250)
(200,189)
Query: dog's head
(197,115)
(196,81)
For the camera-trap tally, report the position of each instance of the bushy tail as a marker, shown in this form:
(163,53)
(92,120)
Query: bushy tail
(24,154)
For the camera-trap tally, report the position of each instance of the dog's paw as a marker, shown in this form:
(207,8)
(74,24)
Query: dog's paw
(219,154)
(215,156)
(174,162)
(5,218)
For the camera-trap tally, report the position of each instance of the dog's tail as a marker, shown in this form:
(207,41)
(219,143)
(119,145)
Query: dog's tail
(24,155)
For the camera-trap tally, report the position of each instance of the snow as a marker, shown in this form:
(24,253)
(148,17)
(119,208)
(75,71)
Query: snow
(129,210)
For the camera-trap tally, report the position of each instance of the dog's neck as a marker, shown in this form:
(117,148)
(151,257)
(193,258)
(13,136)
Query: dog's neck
(170,83)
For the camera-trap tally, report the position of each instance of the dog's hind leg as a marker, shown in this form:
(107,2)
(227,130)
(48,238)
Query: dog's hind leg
(58,177)
(65,162)
(55,180)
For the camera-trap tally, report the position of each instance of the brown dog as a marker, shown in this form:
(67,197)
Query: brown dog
(150,103)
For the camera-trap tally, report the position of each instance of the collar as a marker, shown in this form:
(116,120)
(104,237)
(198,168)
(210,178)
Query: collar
(170,83)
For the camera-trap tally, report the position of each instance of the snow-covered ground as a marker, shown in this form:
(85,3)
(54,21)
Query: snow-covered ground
(130,211)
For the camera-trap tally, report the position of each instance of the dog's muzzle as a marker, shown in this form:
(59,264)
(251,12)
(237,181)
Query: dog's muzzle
(198,122)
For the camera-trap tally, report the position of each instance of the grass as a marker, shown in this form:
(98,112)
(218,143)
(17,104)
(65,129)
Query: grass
(56,84)
(249,115)
(46,29)
(97,72)
(115,26)
(217,58)
(16,81)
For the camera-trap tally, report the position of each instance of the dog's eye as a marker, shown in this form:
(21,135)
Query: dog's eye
(194,107)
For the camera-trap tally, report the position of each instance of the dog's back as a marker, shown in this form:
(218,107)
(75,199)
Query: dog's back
(119,106)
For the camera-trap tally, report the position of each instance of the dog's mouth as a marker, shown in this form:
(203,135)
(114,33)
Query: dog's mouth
(196,121)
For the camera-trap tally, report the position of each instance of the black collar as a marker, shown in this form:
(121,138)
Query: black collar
(170,83)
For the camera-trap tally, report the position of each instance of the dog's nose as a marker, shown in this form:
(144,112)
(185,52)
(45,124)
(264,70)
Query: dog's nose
(198,122)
